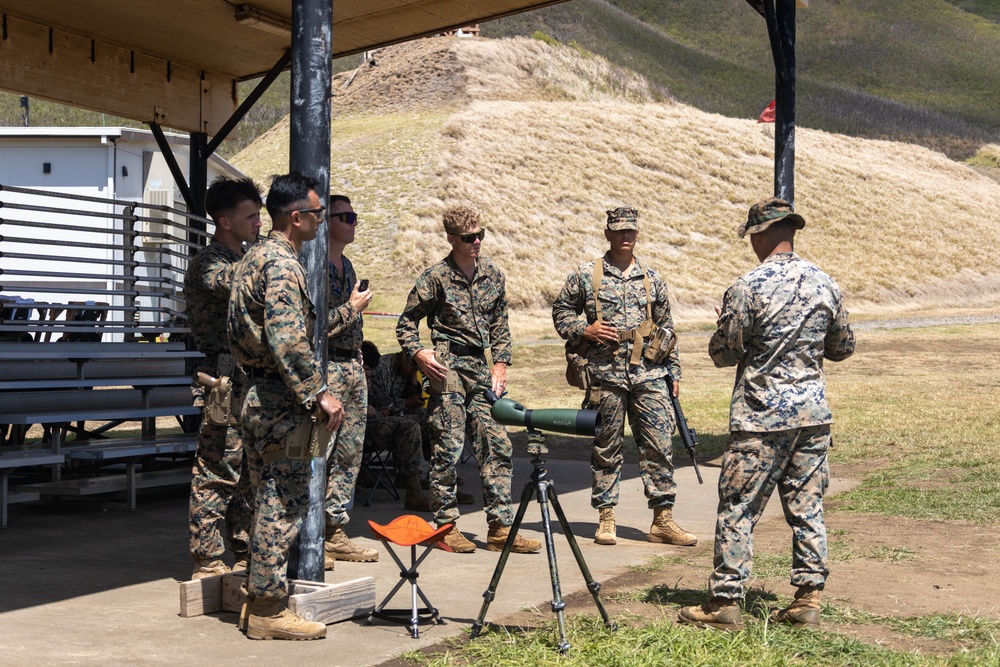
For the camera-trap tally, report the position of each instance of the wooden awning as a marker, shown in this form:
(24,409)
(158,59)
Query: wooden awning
(177,62)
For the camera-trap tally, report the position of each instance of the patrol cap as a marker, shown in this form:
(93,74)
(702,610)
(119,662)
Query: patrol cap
(460,219)
(765,213)
(623,218)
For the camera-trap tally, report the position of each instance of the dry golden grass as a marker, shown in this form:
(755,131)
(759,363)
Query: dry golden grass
(543,139)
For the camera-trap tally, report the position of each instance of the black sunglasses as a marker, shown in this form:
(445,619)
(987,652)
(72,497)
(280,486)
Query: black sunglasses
(473,237)
(315,211)
(350,217)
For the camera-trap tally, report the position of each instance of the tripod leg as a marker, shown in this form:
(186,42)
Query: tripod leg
(593,586)
(491,591)
(558,606)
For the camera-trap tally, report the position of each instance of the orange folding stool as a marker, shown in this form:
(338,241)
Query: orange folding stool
(409,531)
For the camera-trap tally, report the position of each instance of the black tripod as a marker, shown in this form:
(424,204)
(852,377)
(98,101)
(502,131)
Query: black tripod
(546,493)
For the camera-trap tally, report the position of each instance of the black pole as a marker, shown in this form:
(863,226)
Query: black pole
(198,183)
(309,148)
(784,118)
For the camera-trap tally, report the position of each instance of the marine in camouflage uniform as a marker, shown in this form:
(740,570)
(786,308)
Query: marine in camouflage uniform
(463,297)
(220,487)
(270,321)
(630,384)
(346,380)
(777,324)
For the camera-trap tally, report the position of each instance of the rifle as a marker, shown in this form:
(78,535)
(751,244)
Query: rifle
(688,435)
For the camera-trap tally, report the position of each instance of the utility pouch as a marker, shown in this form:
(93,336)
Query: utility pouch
(451,382)
(593,396)
(218,401)
(310,438)
(661,343)
(576,365)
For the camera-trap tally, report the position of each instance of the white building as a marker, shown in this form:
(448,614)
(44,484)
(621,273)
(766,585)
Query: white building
(62,257)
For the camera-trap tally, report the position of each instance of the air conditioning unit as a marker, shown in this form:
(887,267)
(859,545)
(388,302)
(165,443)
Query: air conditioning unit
(162,223)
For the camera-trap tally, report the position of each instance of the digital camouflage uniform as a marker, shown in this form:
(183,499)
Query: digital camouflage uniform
(473,314)
(218,489)
(346,381)
(640,391)
(270,322)
(778,323)
(390,429)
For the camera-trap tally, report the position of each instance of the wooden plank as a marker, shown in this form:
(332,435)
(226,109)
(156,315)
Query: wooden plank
(98,450)
(71,69)
(312,600)
(336,602)
(18,496)
(129,414)
(20,459)
(201,596)
(110,483)
(72,383)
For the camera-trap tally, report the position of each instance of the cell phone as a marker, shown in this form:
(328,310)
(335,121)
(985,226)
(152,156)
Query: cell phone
(363,285)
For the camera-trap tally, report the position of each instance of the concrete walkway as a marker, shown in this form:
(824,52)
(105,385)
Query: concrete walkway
(87,583)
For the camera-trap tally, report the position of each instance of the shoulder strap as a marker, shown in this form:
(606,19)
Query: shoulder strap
(598,274)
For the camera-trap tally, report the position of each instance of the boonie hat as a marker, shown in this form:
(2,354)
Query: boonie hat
(623,218)
(765,213)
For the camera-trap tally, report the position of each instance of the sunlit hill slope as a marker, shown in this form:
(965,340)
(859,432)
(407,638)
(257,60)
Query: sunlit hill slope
(542,139)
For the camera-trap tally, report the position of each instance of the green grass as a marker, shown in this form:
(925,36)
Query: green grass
(638,643)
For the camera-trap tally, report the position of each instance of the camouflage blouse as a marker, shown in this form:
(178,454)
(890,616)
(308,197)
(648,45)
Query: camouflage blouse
(344,324)
(271,317)
(778,323)
(206,294)
(459,310)
(623,306)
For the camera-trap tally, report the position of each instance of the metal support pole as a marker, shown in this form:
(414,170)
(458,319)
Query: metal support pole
(198,184)
(781,25)
(309,147)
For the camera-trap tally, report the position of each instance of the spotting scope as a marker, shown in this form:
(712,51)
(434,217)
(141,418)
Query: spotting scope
(558,420)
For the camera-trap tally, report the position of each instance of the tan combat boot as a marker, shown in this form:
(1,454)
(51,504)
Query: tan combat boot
(456,542)
(271,619)
(719,613)
(415,499)
(497,537)
(242,561)
(666,531)
(339,547)
(606,527)
(804,610)
(208,567)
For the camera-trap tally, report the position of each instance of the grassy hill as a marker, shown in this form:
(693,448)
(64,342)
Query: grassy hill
(922,71)
(544,138)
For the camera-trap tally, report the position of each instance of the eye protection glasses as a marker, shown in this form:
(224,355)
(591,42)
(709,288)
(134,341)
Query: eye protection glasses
(473,237)
(350,217)
(318,212)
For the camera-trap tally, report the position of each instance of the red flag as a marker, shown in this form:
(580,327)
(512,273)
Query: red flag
(768,115)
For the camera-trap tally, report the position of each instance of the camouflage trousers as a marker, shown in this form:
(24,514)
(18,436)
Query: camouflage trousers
(450,418)
(220,489)
(648,408)
(281,502)
(346,382)
(400,436)
(754,463)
